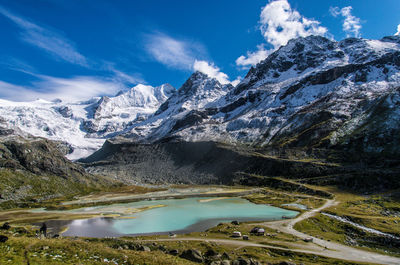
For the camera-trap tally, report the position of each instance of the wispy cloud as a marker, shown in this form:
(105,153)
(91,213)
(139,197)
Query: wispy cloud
(278,24)
(351,24)
(16,64)
(54,43)
(174,53)
(122,77)
(398,30)
(182,55)
(48,40)
(77,88)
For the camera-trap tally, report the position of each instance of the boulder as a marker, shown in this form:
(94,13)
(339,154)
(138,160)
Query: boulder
(211,253)
(3,239)
(254,262)
(143,248)
(174,252)
(225,262)
(192,255)
(225,256)
(5,226)
(241,261)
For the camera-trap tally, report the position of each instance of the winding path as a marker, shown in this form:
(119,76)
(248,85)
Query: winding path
(320,247)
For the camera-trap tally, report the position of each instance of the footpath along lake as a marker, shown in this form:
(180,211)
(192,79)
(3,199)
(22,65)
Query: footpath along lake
(163,216)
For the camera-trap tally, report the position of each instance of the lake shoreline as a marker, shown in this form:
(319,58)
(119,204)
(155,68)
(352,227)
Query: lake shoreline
(180,216)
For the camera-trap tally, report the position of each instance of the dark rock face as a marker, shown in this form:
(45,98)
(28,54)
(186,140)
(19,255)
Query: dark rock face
(192,255)
(192,118)
(190,162)
(89,126)
(65,111)
(5,131)
(37,156)
(39,171)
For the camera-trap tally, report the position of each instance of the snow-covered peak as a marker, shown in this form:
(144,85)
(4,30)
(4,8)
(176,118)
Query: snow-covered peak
(305,56)
(183,108)
(139,100)
(308,83)
(84,125)
(197,92)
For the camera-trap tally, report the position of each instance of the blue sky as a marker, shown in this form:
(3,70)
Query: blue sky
(78,49)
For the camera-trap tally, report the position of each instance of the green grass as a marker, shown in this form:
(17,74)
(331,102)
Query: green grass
(364,210)
(69,251)
(277,199)
(20,250)
(22,189)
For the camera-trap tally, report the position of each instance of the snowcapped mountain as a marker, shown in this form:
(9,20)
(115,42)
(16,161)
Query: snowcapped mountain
(83,125)
(313,92)
(188,106)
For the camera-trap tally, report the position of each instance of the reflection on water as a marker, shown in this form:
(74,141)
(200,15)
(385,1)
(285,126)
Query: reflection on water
(178,215)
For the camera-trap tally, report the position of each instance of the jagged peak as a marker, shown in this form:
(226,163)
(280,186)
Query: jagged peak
(197,75)
(199,80)
(395,39)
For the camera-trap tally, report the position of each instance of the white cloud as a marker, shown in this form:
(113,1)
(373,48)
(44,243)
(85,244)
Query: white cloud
(398,30)
(182,55)
(236,81)
(278,24)
(351,24)
(174,53)
(45,39)
(69,89)
(252,58)
(211,70)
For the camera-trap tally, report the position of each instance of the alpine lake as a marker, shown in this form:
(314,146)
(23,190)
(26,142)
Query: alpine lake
(150,217)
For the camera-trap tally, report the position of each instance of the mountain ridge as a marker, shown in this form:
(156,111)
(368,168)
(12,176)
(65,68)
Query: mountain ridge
(312,92)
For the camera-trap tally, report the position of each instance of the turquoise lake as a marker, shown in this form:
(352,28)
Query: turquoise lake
(177,215)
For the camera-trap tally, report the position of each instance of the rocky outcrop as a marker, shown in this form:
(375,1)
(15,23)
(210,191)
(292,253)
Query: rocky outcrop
(192,255)
(34,169)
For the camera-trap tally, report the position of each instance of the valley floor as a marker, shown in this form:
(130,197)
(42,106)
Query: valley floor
(284,240)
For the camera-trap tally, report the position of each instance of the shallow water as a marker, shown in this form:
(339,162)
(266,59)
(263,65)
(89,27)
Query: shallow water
(176,215)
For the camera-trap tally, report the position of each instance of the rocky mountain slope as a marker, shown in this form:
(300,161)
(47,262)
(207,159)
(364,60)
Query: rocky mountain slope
(84,125)
(312,92)
(34,169)
(316,109)
(315,99)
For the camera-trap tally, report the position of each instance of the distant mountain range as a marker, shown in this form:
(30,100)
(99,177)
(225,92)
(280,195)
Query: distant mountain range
(313,92)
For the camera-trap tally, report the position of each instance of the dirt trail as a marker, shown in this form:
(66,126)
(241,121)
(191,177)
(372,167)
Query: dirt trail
(320,248)
(331,249)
